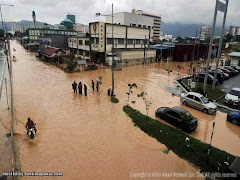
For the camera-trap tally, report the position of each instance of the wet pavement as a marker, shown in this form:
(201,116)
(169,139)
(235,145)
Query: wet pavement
(5,117)
(92,138)
(230,83)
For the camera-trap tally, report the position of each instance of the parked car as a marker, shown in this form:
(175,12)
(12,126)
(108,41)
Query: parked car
(220,76)
(225,75)
(234,117)
(236,67)
(233,97)
(178,117)
(198,101)
(231,69)
(201,76)
(230,73)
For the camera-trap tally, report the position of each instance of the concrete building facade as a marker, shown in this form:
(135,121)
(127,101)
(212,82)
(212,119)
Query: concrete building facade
(156,22)
(206,32)
(129,42)
(132,19)
(234,30)
(35,33)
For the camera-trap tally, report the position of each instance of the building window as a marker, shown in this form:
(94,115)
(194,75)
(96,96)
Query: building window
(134,25)
(144,26)
(139,25)
(86,42)
(80,52)
(92,40)
(97,40)
(109,41)
(138,41)
(120,41)
(149,27)
(130,41)
(80,42)
(87,53)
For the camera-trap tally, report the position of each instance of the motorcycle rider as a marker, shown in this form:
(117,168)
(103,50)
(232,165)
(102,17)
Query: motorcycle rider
(30,124)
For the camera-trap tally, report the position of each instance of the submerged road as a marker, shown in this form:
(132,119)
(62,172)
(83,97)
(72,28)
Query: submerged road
(92,138)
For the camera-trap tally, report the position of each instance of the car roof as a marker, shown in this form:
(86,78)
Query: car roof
(236,89)
(195,94)
(178,109)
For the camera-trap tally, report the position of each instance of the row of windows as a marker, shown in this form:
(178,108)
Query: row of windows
(42,32)
(81,52)
(129,41)
(80,42)
(151,16)
(139,25)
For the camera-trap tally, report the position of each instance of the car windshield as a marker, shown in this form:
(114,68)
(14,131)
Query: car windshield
(204,100)
(235,93)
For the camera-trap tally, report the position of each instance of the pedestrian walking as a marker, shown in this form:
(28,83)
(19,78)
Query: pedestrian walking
(93,85)
(80,87)
(74,86)
(97,86)
(85,89)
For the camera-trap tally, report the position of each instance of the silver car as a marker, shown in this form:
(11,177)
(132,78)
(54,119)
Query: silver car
(198,101)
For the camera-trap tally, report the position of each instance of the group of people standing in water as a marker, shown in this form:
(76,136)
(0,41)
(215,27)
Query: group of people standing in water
(80,88)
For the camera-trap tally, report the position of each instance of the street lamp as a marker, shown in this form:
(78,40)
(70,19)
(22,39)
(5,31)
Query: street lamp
(1,14)
(209,147)
(99,14)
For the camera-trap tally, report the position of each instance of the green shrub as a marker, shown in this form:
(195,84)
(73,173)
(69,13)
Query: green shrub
(71,65)
(114,99)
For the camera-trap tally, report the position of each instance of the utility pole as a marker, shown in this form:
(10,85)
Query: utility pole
(210,48)
(145,51)
(199,41)
(209,147)
(112,94)
(220,46)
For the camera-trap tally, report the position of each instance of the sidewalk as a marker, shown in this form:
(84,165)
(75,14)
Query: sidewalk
(5,118)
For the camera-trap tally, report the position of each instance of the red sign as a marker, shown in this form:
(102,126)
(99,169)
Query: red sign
(94,27)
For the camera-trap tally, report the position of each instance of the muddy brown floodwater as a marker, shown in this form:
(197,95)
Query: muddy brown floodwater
(90,137)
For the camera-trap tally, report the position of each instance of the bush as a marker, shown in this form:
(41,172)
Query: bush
(114,99)
(71,65)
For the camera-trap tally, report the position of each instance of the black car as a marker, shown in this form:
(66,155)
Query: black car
(220,76)
(178,117)
(201,76)
(235,72)
(236,67)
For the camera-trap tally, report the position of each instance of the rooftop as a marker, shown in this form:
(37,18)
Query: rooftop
(234,54)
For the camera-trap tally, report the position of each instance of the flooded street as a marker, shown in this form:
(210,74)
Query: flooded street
(92,138)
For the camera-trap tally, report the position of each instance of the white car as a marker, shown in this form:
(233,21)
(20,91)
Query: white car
(233,97)
(198,101)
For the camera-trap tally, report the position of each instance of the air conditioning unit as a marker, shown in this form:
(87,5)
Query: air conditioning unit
(193,85)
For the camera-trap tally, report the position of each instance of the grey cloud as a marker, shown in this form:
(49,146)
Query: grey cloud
(172,11)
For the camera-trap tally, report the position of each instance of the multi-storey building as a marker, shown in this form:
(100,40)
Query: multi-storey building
(132,19)
(129,42)
(156,22)
(18,27)
(34,34)
(234,30)
(139,18)
(206,32)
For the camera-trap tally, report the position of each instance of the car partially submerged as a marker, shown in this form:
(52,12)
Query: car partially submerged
(178,117)
(234,117)
(198,101)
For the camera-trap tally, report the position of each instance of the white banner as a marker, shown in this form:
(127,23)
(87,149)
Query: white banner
(221,7)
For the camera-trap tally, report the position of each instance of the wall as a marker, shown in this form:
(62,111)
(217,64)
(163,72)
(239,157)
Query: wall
(136,54)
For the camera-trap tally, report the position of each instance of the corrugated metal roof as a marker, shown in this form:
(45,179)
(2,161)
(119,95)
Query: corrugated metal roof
(235,54)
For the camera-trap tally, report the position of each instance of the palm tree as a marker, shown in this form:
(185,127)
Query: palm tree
(147,103)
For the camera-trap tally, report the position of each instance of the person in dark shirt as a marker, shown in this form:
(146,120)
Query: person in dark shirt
(74,86)
(30,124)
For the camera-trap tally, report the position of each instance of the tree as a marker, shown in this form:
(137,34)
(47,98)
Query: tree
(180,39)
(179,67)
(130,86)
(71,65)
(147,103)
(126,61)
(169,72)
(236,47)
(1,33)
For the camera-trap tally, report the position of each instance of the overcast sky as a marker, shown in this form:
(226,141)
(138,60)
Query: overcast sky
(172,11)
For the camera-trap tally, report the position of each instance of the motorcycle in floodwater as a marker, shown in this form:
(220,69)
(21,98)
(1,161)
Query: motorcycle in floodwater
(31,133)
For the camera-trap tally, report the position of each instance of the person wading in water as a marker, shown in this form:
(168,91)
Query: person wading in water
(74,86)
